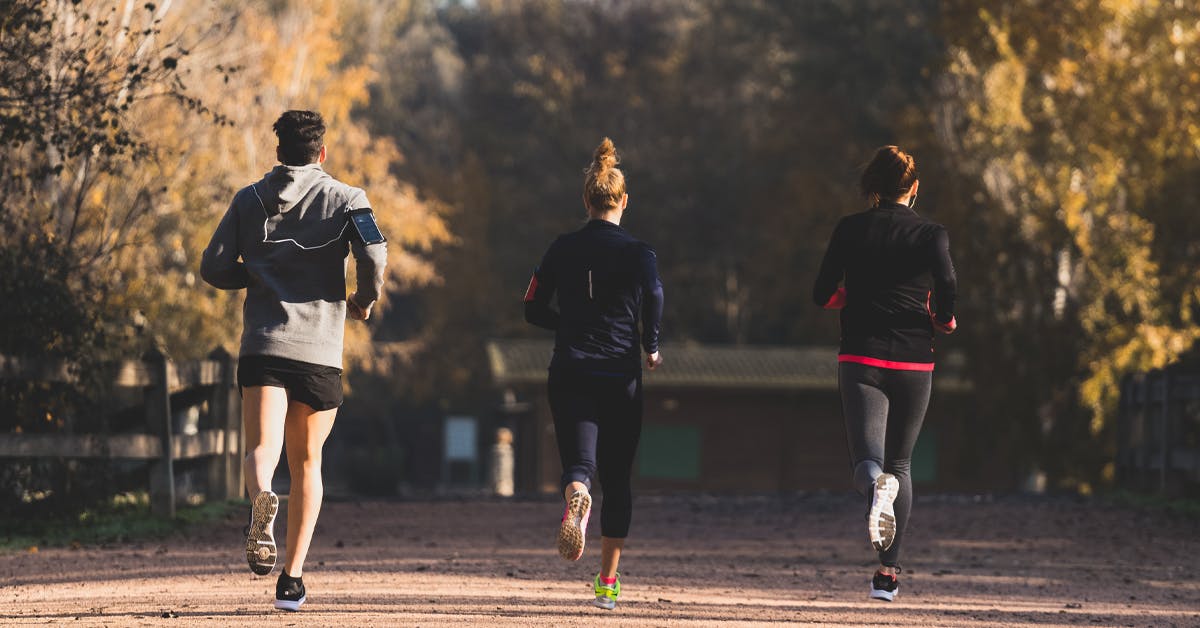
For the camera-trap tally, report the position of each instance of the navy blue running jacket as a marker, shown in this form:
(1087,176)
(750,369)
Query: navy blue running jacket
(606,282)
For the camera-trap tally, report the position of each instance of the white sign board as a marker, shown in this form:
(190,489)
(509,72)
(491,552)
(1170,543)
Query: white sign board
(460,438)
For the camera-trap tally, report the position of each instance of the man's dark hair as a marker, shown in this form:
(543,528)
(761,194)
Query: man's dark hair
(301,134)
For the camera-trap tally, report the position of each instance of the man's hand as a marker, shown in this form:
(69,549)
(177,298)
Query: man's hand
(653,360)
(356,311)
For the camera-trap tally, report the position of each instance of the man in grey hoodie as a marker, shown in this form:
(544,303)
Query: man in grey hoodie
(285,239)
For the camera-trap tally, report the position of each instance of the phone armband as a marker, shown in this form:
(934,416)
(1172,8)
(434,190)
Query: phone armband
(365,226)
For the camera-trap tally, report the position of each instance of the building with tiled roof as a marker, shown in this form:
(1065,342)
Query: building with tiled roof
(723,418)
(708,366)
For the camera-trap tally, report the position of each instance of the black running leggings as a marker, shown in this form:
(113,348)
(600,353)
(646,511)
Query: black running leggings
(597,422)
(884,409)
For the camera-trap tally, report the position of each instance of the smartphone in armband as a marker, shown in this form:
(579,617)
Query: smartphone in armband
(364,223)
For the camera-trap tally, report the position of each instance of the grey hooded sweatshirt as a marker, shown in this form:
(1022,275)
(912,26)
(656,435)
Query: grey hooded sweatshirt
(292,234)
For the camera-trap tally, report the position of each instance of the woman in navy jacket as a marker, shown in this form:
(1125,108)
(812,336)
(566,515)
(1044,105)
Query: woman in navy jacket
(607,283)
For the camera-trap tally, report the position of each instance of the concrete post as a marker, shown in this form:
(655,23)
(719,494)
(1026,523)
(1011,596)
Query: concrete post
(503,463)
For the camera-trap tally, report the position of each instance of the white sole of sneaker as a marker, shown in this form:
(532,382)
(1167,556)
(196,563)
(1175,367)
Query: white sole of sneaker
(886,596)
(288,605)
(605,603)
(571,532)
(261,552)
(881,521)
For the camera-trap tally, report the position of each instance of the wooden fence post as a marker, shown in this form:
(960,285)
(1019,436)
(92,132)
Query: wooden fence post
(1123,420)
(1145,447)
(158,423)
(225,475)
(1166,431)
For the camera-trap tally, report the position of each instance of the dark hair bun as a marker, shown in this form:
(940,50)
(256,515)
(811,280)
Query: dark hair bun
(890,174)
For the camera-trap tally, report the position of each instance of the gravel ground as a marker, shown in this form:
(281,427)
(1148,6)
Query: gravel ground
(691,561)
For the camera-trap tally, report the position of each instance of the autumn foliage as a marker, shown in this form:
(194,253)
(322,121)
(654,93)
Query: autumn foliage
(1058,141)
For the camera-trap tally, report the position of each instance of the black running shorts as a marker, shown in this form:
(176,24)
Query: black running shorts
(315,385)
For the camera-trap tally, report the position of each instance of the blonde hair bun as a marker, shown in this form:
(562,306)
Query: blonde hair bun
(605,157)
(604,183)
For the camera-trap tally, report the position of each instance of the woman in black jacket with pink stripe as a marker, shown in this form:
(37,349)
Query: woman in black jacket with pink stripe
(898,287)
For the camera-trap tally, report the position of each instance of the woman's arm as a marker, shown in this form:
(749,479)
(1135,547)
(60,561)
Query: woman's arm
(945,283)
(652,301)
(826,292)
(537,296)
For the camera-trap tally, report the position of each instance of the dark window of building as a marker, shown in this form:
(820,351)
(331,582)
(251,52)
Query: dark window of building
(669,452)
(924,458)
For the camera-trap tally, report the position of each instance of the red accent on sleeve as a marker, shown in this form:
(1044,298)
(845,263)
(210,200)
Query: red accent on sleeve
(837,301)
(532,289)
(945,328)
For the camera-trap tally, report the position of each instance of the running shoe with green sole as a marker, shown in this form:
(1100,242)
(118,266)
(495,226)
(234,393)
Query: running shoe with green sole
(573,529)
(606,594)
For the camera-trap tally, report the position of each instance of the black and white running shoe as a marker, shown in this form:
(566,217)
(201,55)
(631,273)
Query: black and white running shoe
(881,520)
(884,586)
(289,592)
(261,552)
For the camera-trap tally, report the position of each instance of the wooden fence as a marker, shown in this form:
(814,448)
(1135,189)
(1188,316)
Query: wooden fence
(167,387)
(1158,432)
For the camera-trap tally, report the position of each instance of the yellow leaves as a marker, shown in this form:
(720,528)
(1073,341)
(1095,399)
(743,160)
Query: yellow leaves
(96,196)
(551,84)
(1191,299)
(1004,89)
(1106,169)
(1123,273)
(298,50)
(1004,84)
(411,223)
(287,54)
(1065,76)
(1123,7)
(615,62)
(1074,133)
(1142,347)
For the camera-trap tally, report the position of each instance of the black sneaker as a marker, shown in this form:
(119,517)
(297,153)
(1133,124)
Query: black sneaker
(884,586)
(261,552)
(289,592)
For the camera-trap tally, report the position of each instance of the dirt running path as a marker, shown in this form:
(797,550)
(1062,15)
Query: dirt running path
(691,562)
